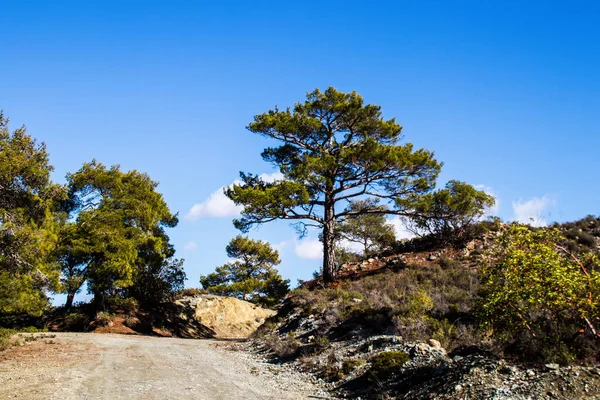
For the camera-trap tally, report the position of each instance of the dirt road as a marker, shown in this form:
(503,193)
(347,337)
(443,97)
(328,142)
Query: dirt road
(97,366)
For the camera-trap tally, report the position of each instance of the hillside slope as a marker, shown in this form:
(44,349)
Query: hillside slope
(401,325)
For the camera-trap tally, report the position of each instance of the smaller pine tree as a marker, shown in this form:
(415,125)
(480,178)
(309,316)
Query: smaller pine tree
(366,227)
(251,275)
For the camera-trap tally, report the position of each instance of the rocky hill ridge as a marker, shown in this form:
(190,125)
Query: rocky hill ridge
(399,325)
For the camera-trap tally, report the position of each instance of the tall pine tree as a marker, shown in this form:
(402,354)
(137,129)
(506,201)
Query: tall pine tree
(334,149)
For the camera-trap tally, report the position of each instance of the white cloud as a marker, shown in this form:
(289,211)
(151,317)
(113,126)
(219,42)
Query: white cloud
(220,206)
(352,246)
(190,246)
(533,212)
(216,206)
(282,245)
(309,248)
(275,176)
(400,228)
(312,249)
(492,211)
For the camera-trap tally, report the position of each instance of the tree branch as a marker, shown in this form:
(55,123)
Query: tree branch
(377,212)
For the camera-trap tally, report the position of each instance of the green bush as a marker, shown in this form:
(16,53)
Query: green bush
(76,321)
(5,335)
(446,262)
(127,304)
(322,342)
(539,300)
(350,365)
(265,329)
(581,236)
(104,318)
(32,329)
(445,332)
(387,363)
(131,322)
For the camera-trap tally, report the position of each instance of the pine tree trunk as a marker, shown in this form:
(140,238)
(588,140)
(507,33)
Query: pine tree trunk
(99,300)
(329,264)
(70,298)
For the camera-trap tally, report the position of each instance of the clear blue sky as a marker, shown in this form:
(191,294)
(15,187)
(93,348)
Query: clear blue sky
(507,93)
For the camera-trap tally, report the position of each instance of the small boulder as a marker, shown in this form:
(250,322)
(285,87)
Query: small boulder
(421,348)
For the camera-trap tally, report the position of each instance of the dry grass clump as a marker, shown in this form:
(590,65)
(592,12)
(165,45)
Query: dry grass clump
(281,347)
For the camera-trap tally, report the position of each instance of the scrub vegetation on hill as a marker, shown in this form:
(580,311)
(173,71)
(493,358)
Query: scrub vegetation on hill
(514,290)
(409,321)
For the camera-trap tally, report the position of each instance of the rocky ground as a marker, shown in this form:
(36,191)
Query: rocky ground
(105,366)
(345,365)
(357,352)
(431,373)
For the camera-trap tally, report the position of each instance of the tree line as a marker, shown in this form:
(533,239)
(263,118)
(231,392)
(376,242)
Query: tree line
(345,168)
(105,228)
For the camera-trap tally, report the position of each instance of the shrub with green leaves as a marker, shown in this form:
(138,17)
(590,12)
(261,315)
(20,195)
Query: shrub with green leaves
(104,318)
(387,363)
(538,297)
(5,335)
(350,365)
(32,329)
(322,342)
(124,304)
(582,235)
(76,321)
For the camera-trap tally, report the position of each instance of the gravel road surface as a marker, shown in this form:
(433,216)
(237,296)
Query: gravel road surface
(104,366)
